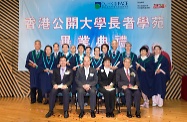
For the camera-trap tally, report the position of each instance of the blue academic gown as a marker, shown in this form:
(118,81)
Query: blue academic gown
(34,72)
(115,58)
(146,78)
(133,57)
(159,83)
(57,58)
(46,78)
(72,62)
(68,58)
(78,61)
(96,62)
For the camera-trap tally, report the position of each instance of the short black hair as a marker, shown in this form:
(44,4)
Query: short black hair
(96,48)
(88,47)
(158,47)
(106,59)
(144,48)
(81,45)
(63,57)
(65,44)
(49,47)
(104,45)
(55,44)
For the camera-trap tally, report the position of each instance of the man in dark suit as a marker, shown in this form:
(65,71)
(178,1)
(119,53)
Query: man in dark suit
(86,79)
(128,81)
(106,80)
(62,79)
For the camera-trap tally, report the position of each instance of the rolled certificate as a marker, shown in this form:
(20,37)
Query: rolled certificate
(99,66)
(140,66)
(158,68)
(33,63)
(117,64)
(60,86)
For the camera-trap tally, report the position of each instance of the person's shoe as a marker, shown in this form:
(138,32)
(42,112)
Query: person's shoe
(129,115)
(32,102)
(154,104)
(143,105)
(92,114)
(112,114)
(85,104)
(46,102)
(81,114)
(50,113)
(146,105)
(66,114)
(138,114)
(107,114)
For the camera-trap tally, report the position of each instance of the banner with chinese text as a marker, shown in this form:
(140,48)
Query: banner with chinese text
(94,22)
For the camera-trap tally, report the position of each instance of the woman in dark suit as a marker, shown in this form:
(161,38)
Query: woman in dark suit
(106,80)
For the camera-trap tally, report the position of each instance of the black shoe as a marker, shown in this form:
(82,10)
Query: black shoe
(92,114)
(46,102)
(39,101)
(129,115)
(50,113)
(32,102)
(138,114)
(112,114)
(66,114)
(81,114)
(107,114)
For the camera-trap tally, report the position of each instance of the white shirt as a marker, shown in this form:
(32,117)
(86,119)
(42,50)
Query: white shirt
(107,70)
(156,58)
(143,57)
(62,73)
(81,57)
(56,54)
(127,70)
(66,54)
(86,69)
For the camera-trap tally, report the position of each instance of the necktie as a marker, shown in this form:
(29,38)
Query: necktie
(62,74)
(114,53)
(128,76)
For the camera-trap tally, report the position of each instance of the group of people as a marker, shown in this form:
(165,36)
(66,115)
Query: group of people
(52,71)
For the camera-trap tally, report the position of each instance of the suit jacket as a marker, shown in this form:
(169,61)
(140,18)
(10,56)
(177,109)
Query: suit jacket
(67,78)
(122,79)
(80,78)
(103,80)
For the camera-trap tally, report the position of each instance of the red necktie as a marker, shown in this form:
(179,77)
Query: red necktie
(128,76)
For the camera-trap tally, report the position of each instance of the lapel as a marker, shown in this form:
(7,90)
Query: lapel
(89,74)
(83,72)
(126,75)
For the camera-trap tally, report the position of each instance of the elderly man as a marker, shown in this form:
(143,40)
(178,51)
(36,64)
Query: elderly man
(86,79)
(127,80)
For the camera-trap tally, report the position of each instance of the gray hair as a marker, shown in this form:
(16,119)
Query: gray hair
(128,43)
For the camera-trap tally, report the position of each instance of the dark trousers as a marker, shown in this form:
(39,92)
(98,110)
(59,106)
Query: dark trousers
(33,95)
(81,93)
(52,98)
(128,96)
(109,97)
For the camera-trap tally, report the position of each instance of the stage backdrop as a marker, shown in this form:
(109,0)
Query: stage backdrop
(93,22)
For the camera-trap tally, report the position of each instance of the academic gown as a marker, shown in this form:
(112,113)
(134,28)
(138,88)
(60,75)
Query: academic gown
(34,72)
(146,78)
(96,62)
(57,58)
(159,83)
(115,58)
(72,62)
(133,57)
(46,78)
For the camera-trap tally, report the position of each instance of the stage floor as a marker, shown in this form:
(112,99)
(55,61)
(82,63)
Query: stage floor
(20,110)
